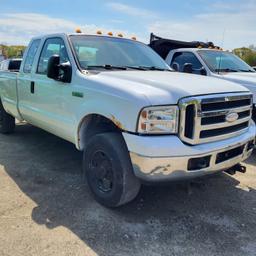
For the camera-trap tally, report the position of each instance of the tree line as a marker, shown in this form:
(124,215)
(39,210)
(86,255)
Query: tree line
(248,54)
(12,51)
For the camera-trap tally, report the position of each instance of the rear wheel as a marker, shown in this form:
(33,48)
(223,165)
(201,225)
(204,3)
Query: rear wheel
(108,170)
(7,122)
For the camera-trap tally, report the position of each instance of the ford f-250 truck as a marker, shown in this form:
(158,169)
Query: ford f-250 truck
(206,59)
(135,120)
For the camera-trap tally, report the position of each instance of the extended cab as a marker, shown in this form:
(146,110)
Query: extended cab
(205,59)
(133,117)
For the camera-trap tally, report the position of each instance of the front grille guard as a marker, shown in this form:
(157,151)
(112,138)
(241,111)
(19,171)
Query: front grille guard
(197,127)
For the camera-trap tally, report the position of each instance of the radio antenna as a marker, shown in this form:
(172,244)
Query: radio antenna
(222,46)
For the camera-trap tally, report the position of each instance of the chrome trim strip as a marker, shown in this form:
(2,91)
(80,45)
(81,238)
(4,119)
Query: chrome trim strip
(224,98)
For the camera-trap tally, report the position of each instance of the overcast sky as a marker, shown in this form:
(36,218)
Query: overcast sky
(234,21)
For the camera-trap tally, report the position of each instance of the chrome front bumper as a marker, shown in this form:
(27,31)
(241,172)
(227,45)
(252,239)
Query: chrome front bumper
(175,167)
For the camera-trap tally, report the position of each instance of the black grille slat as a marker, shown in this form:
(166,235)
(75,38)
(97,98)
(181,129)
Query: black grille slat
(225,105)
(189,119)
(213,120)
(221,131)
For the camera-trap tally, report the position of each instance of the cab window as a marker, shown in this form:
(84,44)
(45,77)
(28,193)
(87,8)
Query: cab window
(181,58)
(31,56)
(51,47)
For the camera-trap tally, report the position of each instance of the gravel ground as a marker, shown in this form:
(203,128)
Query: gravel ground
(46,210)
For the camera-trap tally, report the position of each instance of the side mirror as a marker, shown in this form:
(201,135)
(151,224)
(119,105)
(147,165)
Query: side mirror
(203,71)
(175,66)
(53,67)
(188,68)
(60,72)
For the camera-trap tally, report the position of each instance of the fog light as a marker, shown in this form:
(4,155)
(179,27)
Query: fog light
(198,163)
(250,145)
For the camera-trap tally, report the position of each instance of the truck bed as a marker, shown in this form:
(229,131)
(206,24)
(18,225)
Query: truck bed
(8,84)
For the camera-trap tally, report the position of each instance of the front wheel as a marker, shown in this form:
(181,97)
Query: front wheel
(108,170)
(7,122)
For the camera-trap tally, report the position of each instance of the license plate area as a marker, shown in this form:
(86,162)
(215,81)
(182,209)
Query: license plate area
(226,155)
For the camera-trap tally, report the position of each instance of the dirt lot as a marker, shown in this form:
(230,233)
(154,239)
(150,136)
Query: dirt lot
(46,210)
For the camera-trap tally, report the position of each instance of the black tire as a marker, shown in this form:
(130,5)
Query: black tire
(7,122)
(108,170)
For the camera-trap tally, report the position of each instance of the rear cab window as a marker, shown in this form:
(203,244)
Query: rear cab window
(14,65)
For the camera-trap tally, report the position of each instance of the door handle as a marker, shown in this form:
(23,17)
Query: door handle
(32,87)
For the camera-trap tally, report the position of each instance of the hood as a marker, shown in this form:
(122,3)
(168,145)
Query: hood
(161,87)
(243,78)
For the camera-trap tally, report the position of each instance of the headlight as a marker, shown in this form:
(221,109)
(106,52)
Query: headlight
(159,120)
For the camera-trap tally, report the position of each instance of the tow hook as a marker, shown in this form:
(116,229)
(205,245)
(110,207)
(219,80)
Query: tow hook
(236,168)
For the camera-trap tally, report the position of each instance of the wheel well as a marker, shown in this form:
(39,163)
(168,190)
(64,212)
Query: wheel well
(94,124)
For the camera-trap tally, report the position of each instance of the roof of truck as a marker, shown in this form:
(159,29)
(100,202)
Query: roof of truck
(118,36)
(195,49)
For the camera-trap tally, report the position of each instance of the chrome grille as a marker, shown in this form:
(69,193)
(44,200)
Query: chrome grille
(206,118)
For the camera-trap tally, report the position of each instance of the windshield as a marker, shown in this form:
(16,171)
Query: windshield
(218,61)
(95,52)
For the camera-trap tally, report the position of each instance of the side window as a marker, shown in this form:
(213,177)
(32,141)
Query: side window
(31,55)
(181,58)
(51,46)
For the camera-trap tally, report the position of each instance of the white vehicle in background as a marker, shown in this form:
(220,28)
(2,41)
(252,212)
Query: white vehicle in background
(205,59)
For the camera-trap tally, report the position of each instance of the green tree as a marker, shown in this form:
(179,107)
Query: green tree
(12,51)
(246,54)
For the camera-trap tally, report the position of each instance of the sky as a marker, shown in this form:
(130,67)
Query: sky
(229,24)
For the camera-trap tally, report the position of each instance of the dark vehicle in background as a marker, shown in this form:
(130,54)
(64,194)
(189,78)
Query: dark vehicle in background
(10,65)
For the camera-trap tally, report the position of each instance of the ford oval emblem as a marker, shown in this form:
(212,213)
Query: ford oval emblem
(231,117)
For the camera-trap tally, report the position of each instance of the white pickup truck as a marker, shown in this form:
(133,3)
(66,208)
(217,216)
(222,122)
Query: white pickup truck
(205,59)
(135,119)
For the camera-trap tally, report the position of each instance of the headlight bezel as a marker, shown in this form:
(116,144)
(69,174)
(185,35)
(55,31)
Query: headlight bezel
(159,108)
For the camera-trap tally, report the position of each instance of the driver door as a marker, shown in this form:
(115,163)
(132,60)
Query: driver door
(51,97)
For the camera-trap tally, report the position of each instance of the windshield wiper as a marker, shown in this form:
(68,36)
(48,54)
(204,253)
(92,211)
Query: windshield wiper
(155,68)
(246,70)
(135,67)
(225,70)
(106,66)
